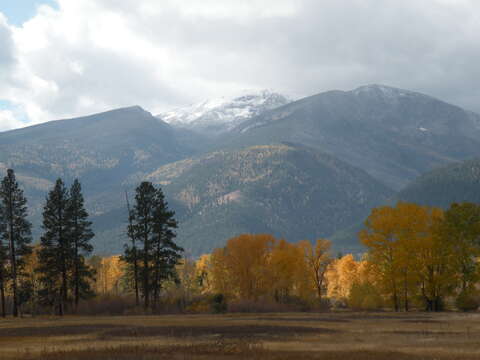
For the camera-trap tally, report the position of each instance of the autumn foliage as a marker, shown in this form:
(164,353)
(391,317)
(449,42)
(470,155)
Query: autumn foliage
(416,258)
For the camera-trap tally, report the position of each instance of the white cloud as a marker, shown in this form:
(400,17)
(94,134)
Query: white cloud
(8,120)
(94,55)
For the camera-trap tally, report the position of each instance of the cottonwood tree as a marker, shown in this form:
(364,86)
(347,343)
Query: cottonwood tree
(318,259)
(153,226)
(380,236)
(15,230)
(79,234)
(460,231)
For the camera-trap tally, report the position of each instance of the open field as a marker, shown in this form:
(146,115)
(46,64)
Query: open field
(365,336)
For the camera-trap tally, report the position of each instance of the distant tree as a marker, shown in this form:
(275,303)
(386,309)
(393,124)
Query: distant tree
(80,234)
(14,229)
(152,225)
(55,253)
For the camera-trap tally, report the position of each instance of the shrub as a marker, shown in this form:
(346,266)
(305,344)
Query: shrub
(467,301)
(364,296)
(219,303)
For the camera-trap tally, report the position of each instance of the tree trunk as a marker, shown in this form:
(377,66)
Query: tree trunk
(77,277)
(135,273)
(2,293)
(405,292)
(395,296)
(146,272)
(134,248)
(64,286)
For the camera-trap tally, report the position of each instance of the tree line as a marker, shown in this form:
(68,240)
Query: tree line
(417,257)
(56,273)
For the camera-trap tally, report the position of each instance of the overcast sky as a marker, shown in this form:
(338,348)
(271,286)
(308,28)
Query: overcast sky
(65,58)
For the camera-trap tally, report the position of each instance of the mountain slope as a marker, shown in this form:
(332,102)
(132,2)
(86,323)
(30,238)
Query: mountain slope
(393,134)
(441,187)
(287,190)
(216,116)
(103,150)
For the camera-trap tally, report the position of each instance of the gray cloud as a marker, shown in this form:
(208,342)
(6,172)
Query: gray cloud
(94,55)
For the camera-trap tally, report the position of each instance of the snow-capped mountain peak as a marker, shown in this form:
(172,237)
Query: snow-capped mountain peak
(219,115)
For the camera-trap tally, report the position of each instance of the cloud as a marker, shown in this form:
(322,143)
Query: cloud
(94,55)
(8,120)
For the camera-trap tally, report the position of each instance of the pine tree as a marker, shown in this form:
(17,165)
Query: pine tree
(131,255)
(166,252)
(80,234)
(14,229)
(151,225)
(55,253)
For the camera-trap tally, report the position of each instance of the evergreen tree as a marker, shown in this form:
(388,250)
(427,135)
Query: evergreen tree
(131,255)
(15,230)
(152,226)
(55,253)
(80,234)
(166,252)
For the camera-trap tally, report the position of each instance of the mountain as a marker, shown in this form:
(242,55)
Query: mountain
(393,134)
(304,169)
(287,190)
(217,116)
(453,183)
(103,150)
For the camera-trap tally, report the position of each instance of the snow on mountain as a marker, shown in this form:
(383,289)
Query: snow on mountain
(219,115)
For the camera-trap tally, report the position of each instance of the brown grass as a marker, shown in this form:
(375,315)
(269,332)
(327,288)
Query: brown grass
(343,335)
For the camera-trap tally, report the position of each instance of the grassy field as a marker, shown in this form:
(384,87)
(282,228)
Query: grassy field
(365,336)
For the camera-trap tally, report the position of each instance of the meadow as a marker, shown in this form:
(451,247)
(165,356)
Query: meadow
(331,335)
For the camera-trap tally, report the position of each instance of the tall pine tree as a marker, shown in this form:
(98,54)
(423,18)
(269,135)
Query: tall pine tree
(15,230)
(152,225)
(131,255)
(80,234)
(55,252)
(166,253)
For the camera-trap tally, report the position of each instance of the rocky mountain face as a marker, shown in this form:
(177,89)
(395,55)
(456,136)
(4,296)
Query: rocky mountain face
(395,135)
(216,116)
(259,163)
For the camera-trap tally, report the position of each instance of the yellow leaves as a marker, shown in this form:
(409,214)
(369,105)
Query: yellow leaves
(254,266)
(317,259)
(342,274)
(109,271)
(245,260)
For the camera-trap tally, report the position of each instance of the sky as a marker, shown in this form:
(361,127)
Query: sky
(67,58)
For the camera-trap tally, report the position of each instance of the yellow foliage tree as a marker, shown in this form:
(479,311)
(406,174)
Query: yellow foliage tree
(317,259)
(109,272)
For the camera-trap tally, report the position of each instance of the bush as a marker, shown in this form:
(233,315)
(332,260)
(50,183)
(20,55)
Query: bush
(467,301)
(219,303)
(364,296)
(108,305)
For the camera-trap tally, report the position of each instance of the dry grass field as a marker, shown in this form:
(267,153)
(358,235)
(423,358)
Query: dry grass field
(363,336)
